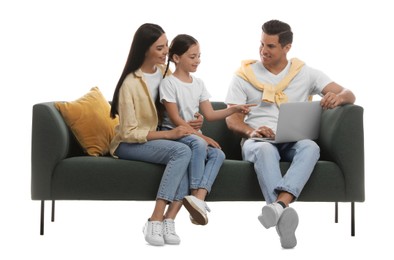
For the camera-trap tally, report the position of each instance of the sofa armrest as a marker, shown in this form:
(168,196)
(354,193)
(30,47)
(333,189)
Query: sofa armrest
(341,140)
(50,144)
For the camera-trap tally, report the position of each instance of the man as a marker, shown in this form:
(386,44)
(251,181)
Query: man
(270,82)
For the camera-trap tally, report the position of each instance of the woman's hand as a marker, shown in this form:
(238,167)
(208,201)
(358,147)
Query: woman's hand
(179,132)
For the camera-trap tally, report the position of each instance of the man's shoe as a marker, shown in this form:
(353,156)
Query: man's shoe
(270,214)
(153,233)
(286,228)
(197,209)
(169,234)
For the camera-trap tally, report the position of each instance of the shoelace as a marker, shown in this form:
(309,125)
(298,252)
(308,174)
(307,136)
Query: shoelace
(157,228)
(169,227)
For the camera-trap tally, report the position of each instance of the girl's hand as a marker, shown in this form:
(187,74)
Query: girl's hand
(211,142)
(243,109)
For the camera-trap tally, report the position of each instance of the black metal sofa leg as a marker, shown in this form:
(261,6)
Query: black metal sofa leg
(42,217)
(43,214)
(352,217)
(53,211)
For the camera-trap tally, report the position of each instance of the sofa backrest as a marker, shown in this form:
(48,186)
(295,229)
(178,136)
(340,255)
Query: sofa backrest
(218,131)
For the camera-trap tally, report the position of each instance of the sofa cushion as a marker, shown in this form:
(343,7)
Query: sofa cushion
(89,119)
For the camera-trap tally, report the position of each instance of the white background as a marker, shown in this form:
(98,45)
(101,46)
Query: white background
(58,50)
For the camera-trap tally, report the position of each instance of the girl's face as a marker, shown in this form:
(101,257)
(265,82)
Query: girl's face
(157,53)
(190,60)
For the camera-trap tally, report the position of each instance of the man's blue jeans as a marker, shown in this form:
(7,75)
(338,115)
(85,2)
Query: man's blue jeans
(303,156)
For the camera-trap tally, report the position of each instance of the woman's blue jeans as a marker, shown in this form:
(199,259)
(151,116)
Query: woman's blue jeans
(303,156)
(204,164)
(175,155)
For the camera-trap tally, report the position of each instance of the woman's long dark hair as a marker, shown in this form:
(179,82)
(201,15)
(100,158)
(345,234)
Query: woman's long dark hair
(144,37)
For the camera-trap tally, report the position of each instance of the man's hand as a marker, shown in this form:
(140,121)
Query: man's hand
(262,131)
(331,100)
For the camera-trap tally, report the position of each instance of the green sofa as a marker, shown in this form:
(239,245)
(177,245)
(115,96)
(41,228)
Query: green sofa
(61,171)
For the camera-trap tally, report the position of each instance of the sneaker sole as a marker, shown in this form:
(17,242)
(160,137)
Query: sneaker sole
(267,217)
(169,242)
(192,220)
(154,242)
(198,216)
(286,228)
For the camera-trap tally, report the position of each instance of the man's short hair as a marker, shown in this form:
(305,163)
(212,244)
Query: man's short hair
(283,30)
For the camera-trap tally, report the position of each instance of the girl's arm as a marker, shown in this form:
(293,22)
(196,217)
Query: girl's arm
(173,114)
(212,115)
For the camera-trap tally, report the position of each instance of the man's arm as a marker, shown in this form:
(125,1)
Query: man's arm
(236,123)
(336,95)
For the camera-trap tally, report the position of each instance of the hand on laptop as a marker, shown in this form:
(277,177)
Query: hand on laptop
(263,131)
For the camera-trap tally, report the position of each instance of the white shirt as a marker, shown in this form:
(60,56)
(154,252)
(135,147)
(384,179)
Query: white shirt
(187,96)
(153,81)
(307,82)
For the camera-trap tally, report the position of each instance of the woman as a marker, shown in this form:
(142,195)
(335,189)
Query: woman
(137,137)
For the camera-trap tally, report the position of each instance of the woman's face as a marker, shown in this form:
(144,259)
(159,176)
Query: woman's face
(157,53)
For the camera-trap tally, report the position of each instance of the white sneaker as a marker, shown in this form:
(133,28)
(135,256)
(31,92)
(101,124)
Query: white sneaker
(169,234)
(153,233)
(286,228)
(270,214)
(197,209)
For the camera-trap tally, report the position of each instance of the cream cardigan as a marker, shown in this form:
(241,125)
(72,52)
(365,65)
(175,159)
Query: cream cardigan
(137,111)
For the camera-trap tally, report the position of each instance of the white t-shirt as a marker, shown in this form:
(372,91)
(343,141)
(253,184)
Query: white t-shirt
(153,81)
(307,82)
(187,96)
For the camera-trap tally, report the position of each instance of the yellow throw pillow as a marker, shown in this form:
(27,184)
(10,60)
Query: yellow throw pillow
(89,120)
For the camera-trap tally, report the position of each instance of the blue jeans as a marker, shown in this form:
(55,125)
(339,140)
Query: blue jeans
(205,162)
(173,186)
(303,156)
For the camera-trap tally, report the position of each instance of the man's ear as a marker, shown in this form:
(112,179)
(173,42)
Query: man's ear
(287,47)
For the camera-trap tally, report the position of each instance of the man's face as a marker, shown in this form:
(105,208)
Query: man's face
(271,52)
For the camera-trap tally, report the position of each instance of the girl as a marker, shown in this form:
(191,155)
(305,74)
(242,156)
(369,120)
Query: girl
(183,95)
(136,136)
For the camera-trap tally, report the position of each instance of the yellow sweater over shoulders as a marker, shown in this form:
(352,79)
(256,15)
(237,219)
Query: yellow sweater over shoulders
(271,93)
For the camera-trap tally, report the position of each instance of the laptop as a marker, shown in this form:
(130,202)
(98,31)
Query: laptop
(296,121)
